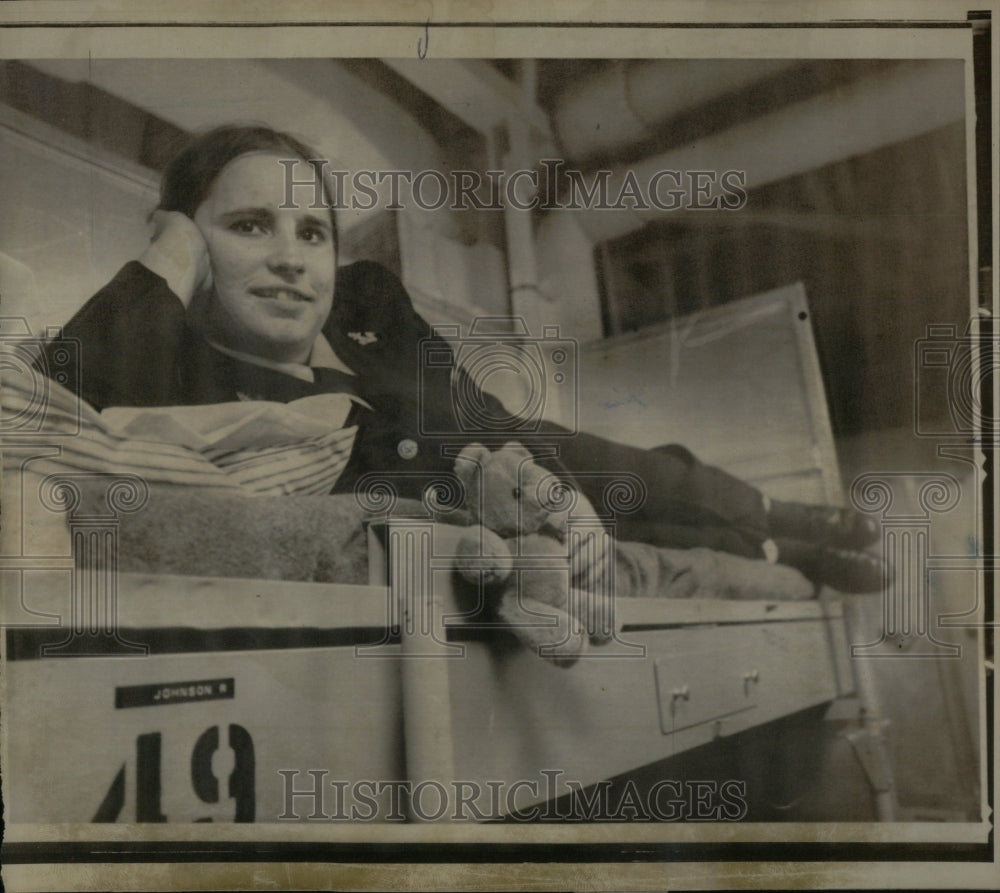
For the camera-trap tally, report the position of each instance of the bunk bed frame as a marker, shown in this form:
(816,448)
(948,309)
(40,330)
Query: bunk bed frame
(282,689)
(387,682)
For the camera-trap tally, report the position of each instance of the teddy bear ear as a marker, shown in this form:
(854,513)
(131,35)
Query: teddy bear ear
(468,462)
(471,453)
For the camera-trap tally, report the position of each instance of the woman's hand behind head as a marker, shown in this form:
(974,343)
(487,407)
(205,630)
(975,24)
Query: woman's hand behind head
(178,252)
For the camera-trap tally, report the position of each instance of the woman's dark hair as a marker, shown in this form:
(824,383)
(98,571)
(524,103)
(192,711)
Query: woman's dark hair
(192,173)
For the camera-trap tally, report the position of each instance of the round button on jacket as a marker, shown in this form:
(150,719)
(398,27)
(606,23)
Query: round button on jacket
(407,448)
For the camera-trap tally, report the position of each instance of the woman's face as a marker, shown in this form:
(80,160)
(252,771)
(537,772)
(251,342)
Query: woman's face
(272,267)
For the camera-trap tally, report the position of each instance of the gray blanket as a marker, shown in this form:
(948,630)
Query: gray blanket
(322,539)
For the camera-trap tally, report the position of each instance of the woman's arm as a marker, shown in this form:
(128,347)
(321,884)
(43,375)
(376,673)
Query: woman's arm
(131,336)
(378,333)
(178,254)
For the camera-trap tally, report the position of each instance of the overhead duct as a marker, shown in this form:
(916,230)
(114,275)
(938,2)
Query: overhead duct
(904,102)
(627,103)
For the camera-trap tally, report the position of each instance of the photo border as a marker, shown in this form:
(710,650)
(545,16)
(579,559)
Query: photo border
(29,29)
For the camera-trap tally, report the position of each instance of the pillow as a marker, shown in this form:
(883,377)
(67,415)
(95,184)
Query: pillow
(255,448)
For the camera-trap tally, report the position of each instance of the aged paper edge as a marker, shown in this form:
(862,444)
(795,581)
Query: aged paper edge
(317,29)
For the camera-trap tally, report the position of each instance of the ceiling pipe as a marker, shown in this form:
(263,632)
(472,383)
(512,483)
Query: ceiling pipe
(907,101)
(630,101)
(522,261)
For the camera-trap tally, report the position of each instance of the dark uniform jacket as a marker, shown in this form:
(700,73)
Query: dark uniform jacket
(137,349)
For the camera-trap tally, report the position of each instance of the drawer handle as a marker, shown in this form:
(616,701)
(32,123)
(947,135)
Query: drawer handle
(681,694)
(749,679)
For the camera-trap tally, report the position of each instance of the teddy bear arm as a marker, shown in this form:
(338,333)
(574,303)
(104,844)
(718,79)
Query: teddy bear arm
(547,630)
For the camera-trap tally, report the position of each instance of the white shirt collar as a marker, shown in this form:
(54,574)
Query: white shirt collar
(322,355)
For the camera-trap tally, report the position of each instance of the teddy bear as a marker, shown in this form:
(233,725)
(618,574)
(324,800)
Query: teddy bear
(518,553)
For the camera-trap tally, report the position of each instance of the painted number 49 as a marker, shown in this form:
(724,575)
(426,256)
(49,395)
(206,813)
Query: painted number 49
(149,777)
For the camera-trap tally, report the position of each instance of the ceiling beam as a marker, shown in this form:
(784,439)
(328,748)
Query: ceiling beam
(474,91)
